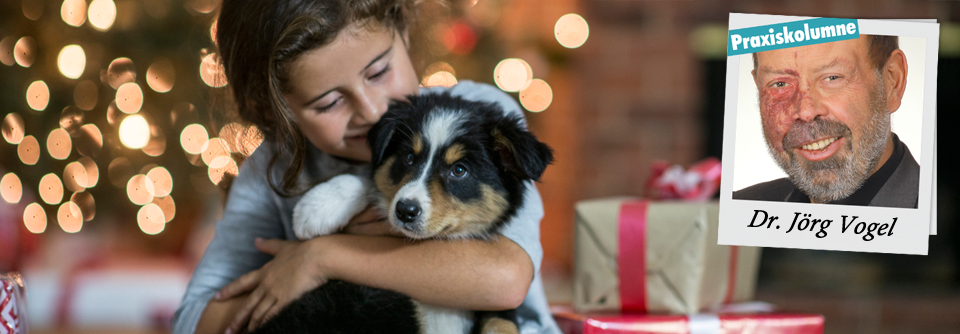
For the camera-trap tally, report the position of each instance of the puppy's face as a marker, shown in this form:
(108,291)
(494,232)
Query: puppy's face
(447,168)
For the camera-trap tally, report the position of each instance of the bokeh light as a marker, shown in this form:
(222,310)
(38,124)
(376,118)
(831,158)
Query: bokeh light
(441,78)
(70,217)
(34,218)
(202,6)
(51,190)
(512,74)
(85,95)
(87,205)
(571,31)
(151,220)
(437,67)
(59,144)
(157,143)
(25,51)
(12,128)
(537,96)
(211,71)
(213,32)
(71,118)
(249,140)
(213,148)
(72,61)
(102,13)
(113,113)
(193,137)
(92,172)
(89,140)
(10,188)
(29,150)
(140,189)
(230,133)
(162,181)
(459,38)
(38,95)
(75,177)
(129,98)
(167,205)
(161,75)
(74,12)
(119,171)
(134,132)
(221,166)
(121,71)
(33,9)
(6,50)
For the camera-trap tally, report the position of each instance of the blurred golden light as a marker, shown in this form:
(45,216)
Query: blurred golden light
(38,95)
(12,128)
(71,118)
(250,140)
(10,188)
(193,137)
(29,150)
(512,74)
(34,218)
(129,98)
(71,61)
(33,9)
(537,96)
(230,133)
(211,71)
(157,143)
(213,31)
(85,95)
(102,13)
(75,177)
(59,144)
(121,71)
(162,181)
(113,113)
(203,6)
(437,67)
(161,75)
(571,31)
(213,148)
(119,171)
(140,189)
(70,217)
(219,167)
(134,132)
(74,12)
(167,205)
(441,78)
(25,51)
(51,190)
(89,140)
(6,50)
(91,170)
(151,220)
(87,205)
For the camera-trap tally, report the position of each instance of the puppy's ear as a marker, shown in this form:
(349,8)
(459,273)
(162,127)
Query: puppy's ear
(520,151)
(380,135)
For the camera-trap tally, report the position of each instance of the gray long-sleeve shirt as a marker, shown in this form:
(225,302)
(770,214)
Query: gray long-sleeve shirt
(254,210)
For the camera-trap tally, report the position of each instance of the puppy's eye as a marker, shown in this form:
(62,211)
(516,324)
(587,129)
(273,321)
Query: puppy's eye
(408,159)
(458,171)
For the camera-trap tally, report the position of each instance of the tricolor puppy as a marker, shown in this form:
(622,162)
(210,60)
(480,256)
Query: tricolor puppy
(443,167)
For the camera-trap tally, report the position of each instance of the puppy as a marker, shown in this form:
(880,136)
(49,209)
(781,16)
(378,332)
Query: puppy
(442,167)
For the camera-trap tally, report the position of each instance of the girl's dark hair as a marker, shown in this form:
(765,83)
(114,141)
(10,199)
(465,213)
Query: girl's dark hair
(259,39)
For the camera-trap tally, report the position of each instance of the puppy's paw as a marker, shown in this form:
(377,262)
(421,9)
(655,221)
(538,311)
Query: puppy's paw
(329,206)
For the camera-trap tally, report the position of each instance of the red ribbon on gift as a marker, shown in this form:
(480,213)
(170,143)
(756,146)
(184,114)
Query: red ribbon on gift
(697,183)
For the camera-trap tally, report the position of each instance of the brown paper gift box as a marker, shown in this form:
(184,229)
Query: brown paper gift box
(686,271)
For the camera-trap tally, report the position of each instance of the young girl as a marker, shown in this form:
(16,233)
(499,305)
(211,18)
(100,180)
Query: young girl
(314,76)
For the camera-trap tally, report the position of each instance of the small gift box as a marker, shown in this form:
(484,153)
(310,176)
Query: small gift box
(12,305)
(766,323)
(648,256)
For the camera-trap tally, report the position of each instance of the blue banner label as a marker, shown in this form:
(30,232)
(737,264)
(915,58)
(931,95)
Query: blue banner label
(790,34)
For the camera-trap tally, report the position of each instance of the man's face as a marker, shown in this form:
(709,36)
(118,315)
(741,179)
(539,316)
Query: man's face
(824,117)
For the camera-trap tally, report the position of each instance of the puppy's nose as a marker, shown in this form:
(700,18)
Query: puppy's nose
(408,211)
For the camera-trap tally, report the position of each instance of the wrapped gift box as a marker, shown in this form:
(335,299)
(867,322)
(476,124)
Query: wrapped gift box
(642,256)
(765,323)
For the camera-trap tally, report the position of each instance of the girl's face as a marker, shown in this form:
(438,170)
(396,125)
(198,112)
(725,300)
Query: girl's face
(338,91)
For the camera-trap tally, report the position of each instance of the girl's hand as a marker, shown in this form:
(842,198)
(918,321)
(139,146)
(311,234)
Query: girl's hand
(370,222)
(290,274)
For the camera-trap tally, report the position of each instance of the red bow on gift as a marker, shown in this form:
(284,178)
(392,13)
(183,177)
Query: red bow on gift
(698,183)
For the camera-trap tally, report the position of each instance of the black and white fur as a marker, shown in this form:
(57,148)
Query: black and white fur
(442,167)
